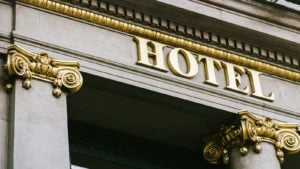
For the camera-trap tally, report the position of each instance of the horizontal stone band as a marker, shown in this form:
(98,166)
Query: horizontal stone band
(99,19)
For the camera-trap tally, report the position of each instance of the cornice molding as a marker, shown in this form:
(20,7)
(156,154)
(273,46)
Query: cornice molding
(249,131)
(263,10)
(136,30)
(26,65)
(115,69)
(190,32)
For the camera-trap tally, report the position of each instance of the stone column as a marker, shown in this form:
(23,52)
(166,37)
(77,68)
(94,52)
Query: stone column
(4,106)
(252,142)
(266,159)
(38,110)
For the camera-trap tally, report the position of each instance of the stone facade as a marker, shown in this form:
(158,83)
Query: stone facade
(157,81)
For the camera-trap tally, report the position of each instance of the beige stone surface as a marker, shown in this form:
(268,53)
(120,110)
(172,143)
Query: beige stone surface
(266,159)
(39,128)
(4,105)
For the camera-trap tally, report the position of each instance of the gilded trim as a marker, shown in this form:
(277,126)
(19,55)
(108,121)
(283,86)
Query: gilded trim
(26,65)
(250,131)
(141,17)
(162,37)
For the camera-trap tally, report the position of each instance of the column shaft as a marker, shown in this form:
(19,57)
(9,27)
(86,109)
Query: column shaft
(39,132)
(266,159)
(4,106)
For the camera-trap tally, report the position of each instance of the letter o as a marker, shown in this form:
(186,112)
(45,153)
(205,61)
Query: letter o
(191,62)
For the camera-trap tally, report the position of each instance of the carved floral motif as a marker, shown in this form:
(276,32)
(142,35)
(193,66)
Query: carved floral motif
(26,65)
(249,130)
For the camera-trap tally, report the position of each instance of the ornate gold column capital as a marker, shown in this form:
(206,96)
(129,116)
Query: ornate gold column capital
(249,130)
(26,65)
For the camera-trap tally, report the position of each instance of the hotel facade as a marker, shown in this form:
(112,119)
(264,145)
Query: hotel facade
(149,84)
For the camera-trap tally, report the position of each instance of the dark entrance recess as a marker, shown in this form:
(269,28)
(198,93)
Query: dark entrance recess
(113,125)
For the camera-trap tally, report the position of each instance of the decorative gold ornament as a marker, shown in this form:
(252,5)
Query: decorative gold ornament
(248,131)
(102,20)
(212,152)
(26,65)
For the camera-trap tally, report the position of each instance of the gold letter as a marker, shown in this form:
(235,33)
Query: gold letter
(156,53)
(256,90)
(233,77)
(192,65)
(209,65)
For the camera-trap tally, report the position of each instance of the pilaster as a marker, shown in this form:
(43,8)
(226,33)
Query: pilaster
(38,86)
(266,159)
(4,108)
